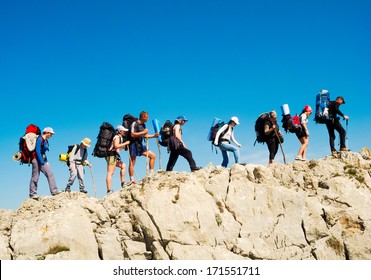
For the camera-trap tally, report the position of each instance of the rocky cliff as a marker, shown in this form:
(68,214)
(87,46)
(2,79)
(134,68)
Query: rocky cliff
(318,209)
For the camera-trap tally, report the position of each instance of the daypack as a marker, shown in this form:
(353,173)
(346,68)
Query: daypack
(214,131)
(165,133)
(104,141)
(259,128)
(66,157)
(291,123)
(322,104)
(127,121)
(27,144)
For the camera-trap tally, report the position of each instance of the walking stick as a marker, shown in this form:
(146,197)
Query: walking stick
(159,154)
(346,133)
(279,141)
(92,178)
(147,167)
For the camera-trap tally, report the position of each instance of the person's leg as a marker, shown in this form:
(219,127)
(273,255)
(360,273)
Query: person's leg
(187,154)
(50,177)
(342,134)
(80,176)
(73,173)
(152,159)
(34,177)
(172,160)
(122,167)
(111,165)
(331,133)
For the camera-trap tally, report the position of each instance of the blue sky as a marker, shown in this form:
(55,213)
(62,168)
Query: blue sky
(73,64)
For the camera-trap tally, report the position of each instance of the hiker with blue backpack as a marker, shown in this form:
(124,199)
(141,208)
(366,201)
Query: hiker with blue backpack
(333,123)
(303,133)
(223,139)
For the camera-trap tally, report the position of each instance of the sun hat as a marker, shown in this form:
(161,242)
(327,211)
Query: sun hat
(86,142)
(48,130)
(121,128)
(235,120)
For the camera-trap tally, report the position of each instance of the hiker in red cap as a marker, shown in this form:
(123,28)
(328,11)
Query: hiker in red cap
(303,134)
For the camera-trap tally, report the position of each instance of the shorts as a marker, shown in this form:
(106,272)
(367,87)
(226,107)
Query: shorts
(300,134)
(137,149)
(112,160)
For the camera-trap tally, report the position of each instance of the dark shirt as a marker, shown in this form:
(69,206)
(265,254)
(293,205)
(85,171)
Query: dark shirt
(334,109)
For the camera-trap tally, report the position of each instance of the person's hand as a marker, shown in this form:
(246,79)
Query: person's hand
(346,117)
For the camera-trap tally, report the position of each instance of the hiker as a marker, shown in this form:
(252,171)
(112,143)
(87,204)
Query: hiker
(114,161)
(303,133)
(272,132)
(178,148)
(40,163)
(138,133)
(76,162)
(226,135)
(333,123)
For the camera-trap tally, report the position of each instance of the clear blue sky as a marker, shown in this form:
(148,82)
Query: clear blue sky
(73,64)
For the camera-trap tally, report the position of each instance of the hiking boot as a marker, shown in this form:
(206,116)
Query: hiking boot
(344,150)
(56,193)
(35,197)
(335,153)
(195,169)
(67,189)
(109,191)
(83,191)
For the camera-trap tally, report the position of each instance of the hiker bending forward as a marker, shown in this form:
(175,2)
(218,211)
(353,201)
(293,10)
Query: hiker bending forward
(223,139)
(178,148)
(271,130)
(76,162)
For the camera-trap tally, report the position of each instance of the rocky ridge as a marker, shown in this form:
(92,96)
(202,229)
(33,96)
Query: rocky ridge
(318,209)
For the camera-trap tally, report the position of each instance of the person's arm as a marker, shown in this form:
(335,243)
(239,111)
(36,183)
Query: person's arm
(135,134)
(38,150)
(234,140)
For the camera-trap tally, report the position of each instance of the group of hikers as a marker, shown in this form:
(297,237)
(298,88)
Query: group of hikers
(135,140)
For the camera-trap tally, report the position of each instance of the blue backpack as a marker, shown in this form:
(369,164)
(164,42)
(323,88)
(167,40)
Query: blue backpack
(322,103)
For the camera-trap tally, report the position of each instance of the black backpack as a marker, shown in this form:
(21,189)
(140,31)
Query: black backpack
(291,123)
(165,133)
(214,131)
(104,141)
(127,121)
(259,128)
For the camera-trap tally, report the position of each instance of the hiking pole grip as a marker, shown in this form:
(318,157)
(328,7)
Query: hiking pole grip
(279,141)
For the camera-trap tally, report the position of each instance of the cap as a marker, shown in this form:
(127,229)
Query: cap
(182,118)
(342,98)
(307,108)
(48,130)
(86,142)
(235,120)
(121,128)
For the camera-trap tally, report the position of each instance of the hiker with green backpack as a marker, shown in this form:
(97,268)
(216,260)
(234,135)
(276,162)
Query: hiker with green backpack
(223,139)
(76,161)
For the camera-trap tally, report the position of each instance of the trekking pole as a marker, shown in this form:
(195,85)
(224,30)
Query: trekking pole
(92,178)
(279,141)
(346,133)
(147,166)
(159,154)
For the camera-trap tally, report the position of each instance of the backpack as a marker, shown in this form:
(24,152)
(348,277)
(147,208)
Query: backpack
(66,157)
(259,128)
(27,144)
(214,131)
(165,133)
(104,141)
(127,121)
(322,104)
(291,123)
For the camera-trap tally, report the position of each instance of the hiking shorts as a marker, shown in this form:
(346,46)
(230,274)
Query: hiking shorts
(137,149)
(112,160)
(300,134)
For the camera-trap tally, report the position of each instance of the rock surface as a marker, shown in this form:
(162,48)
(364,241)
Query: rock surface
(318,209)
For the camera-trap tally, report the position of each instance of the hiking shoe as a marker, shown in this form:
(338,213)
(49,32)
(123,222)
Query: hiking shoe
(128,184)
(299,158)
(335,153)
(56,193)
(67,189)
(109,191)
(195,169)
(83,191)
(344,150)
(35,197)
